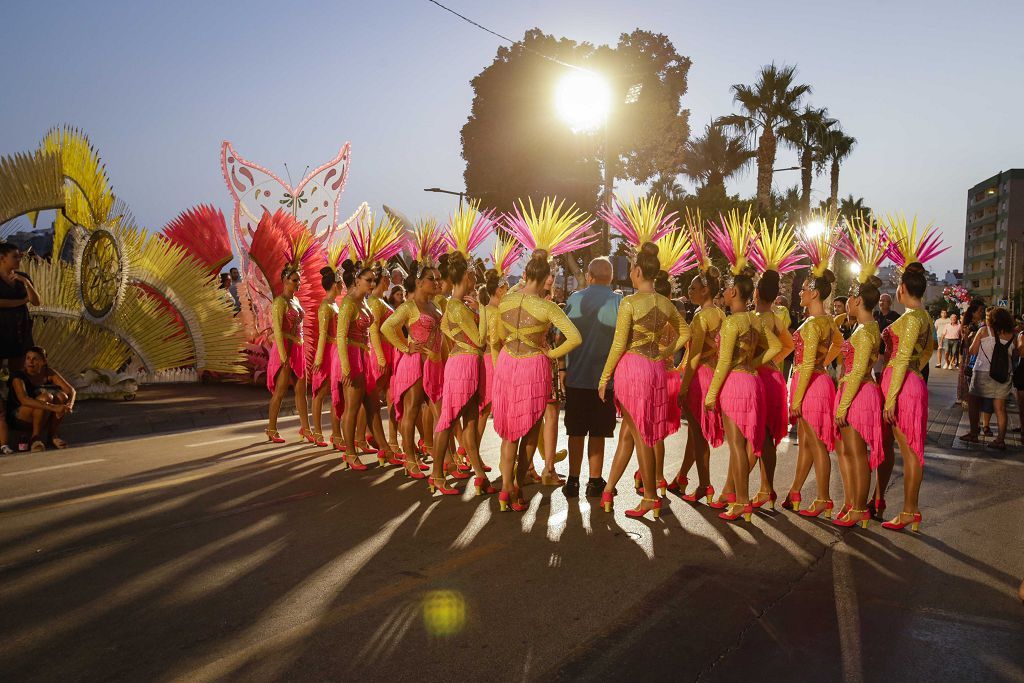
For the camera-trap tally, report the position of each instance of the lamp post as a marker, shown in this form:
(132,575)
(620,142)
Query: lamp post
(461,195)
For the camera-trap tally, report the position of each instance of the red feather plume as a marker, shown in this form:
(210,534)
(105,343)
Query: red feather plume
(203,233)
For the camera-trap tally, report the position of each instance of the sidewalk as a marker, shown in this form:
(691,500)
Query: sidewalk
(946,419)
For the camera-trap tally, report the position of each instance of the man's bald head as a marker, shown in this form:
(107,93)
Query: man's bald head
(600,271)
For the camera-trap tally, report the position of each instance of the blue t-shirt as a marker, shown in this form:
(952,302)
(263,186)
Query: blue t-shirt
(593,311)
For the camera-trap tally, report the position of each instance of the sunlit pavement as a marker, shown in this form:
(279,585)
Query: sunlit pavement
(210,555)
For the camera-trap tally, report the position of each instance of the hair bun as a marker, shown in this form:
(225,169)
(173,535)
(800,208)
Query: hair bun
(327,270)
(539,255)
(713,272)
(874,281)
(649,248)
(347,265)
(829,275)
(915,267)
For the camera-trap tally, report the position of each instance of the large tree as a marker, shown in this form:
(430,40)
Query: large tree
(836,146)
(771,103)
(714,157)
(805,133)
(516,146)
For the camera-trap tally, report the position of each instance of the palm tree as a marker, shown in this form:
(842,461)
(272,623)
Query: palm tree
(769,104)
(789,205)
(836,146)
(850,207)
(805,134)
(669,189)
(715,157)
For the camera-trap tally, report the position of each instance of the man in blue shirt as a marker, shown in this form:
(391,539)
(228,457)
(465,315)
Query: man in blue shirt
(593,311)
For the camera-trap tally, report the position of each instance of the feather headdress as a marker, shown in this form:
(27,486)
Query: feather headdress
(698,243)
(506,253)
(674,252)
(907,245)
(639,220)
(818,240)
(336,253)
(426,242)
(775,248)
(553,228)
(203,233)
(375,240)
(468,228)
(734,237)
(278,246)
(866,244)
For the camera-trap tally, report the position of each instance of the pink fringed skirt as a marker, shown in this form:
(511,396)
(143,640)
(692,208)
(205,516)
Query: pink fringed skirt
(817,406)
(462,382)
(521,390)
(358,362)
(374,372)
(911,410)
(710,420)
(487,384)
(742,400)
(296,361)
(776,406)
(411,368)
(640,391)
(673,415)
(327,367)
(865,416)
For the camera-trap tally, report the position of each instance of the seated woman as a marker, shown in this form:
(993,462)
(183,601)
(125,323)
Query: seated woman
(39,397)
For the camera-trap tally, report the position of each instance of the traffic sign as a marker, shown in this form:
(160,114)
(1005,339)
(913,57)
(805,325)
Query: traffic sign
(1002,303)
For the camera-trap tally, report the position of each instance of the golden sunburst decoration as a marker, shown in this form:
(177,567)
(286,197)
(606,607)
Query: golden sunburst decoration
(30,183)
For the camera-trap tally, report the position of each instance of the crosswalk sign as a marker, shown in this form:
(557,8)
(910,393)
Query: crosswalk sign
(1002,303)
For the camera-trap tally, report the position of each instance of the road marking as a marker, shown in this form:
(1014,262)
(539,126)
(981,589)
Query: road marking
(254,437)
(991,460)
(53,467)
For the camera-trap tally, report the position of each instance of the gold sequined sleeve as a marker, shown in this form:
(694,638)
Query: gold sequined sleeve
(493,335)
(375,340)
(727,342)
(459,314)
(623,325)
(785,338)
(277,312)
(774,345)
(907,330)
(679,322)
(835,345)
(691,360)
(392,327)
(346,313)
(559,319)
(323,318)
(811,336)
(862,352)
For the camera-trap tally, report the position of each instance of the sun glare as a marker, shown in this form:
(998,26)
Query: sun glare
(582,99)
(814,229)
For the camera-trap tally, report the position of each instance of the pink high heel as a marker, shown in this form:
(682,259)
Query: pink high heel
(737,510)
(897,523)
(725,500)
(456,473)
(435,486)
(770,502)
(353,464)
(639,510)
(814,512)
(483,487)
(792,501)
(709,492)
(607,500)
(678,485)
(413,475)
(853,517)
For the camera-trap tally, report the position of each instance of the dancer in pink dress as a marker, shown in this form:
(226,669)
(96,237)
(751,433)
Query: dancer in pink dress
(774,255)
(736,389)
(909,342)
(859,400)
(811,392)
(522,373)
(326,358)
(505,255)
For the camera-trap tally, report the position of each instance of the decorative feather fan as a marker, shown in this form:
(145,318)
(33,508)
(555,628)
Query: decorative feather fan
(865,243)
(202,231)
(426,242)
(506,253)
(376,239)
(775,248)
(818,240)
(674,252)
(553,228)
(639,220)
(734,237)
(30,183)
(270,246)
(698,240)
(908,245)
(81,163)
(468,228)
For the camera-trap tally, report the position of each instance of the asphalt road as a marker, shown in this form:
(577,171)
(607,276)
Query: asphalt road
(209,555)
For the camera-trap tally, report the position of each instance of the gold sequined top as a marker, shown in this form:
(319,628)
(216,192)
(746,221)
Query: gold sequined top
(522,326)
(423,327)
(702,349)
(358,327)
(461,326)
(774,322)
(286,321)
(489,327)
(327,318)
(642,319)
(910,342)
(738,349)
(860,352)
(817,343)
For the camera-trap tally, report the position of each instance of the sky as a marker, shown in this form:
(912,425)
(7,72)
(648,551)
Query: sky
(931,90)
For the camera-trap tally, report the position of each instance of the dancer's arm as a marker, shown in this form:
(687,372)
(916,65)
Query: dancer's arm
(323,318)
(375,342)
(460,315)
(346,313)
(623,324)
(809,334)
(493,333)
(785,338)
(774,345)
(679,323)
(862,348)
(559,319)
(691,361)
(277,312)
(836,345)
(392,327)
(907,334)
(727,342)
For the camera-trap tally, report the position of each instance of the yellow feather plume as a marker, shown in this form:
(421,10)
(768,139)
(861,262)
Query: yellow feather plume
(868,243)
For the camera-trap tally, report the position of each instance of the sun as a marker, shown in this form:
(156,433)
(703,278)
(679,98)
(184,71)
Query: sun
(582,99)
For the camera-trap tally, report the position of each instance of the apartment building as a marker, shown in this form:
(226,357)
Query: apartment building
(994,238)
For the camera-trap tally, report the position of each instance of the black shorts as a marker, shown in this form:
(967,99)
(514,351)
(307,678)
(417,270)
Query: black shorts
(587,415)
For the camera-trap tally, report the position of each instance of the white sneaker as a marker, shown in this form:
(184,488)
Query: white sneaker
(6,450)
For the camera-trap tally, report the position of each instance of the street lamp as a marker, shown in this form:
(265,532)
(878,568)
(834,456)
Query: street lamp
(438,189)
(583,99)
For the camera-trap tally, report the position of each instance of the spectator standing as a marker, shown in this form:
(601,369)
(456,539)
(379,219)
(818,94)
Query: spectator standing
(992,376)
(236,279)
(884,316)
(593,310)
(397,296)
(951,341)
(968,328)
(941,323)
(16,293)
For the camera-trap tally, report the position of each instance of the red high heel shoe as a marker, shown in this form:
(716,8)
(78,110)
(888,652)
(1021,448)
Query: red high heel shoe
(337,443)
(607,500)
(436,485)
(503,501)
(897,523)
(709,492)
(382,459)
(876,508)
(368,438)
(639,510)
(455,473)
(319,439)
(772,497)
(678,485)
(518,504)
(842,511)
(396,459)
(814,512)
(792,501)
(726,500)
(853,517)
(274,436)
(638,482)
(483,487)
(305,435)
(662,488)
(413,475)
(353,464)
(737,510)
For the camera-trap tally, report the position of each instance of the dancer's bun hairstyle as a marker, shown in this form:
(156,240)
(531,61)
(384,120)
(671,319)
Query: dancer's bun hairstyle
(914,279)
(662,285)
(647,260)
(328,277)
(870,292)
(492,281)
(455,265)
(537,268)
(823,284)
(444,264)
(744,283)
(482,295)
(712,279)
(768,286)
(348,272)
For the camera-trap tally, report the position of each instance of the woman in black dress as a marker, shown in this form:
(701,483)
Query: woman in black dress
(16,293)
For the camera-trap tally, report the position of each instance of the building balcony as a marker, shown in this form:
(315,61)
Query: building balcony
(982,257)
(981,274)
(987,200)
(987,219)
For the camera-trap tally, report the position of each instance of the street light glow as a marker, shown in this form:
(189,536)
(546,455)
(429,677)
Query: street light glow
(855,268)
(814,229)
(582,99)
